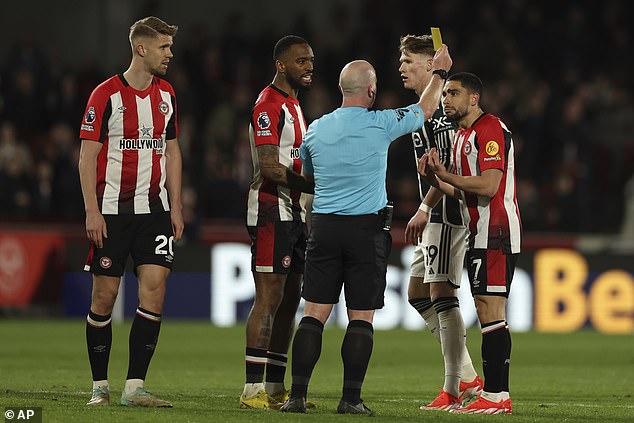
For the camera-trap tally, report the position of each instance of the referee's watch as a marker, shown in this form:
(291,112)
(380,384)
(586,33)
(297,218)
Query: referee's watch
(442,73)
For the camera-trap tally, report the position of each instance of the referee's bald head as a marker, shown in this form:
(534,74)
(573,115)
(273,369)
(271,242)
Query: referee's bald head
(356,77)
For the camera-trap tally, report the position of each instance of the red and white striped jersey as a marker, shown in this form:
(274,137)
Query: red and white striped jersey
(133,126)
(278,120)
(493,223)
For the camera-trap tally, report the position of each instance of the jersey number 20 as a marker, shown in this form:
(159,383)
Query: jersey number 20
(162,242)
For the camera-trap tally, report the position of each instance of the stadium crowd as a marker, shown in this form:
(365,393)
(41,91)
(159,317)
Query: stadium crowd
(565,91)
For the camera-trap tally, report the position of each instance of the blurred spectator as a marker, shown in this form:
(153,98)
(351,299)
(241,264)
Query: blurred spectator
(16,178)
(572,110)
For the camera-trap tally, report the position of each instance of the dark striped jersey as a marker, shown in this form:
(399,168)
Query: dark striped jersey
(133,127)
(493,223)
(438,132)
(277,120)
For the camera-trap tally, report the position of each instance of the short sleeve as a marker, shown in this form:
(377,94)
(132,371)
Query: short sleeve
(94,126)
(491,151)
(171,130)
(398,122)
(266,120)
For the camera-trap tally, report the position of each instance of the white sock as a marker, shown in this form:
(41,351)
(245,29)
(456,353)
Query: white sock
(468,371)
(452,335)
(131,385)
(99,383)
(273,388)
(495,396)
(250,389)
(431,320)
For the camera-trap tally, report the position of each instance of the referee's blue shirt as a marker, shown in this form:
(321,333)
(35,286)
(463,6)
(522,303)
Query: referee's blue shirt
(346,151)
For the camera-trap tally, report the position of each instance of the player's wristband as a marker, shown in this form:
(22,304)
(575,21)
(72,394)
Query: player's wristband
(424,208)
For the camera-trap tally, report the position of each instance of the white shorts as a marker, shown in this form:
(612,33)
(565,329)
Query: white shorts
(440,255)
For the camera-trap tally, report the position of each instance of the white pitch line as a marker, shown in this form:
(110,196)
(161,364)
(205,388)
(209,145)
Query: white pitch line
(555,404)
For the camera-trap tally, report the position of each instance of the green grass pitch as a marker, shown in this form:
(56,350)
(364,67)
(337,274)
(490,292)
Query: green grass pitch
(579,377)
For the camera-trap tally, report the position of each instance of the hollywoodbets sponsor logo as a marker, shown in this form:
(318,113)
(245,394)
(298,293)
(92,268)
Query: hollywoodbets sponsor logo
(136,144)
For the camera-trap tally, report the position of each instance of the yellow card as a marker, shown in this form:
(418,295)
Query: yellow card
(436,37)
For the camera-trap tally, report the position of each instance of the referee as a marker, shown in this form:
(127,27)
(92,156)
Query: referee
(346,153)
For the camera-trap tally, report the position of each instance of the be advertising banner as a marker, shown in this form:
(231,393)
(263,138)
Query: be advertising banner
(553,290)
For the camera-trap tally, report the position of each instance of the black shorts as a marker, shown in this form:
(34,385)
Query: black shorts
(490,271)
(149,238)
(278,247)
(348,251)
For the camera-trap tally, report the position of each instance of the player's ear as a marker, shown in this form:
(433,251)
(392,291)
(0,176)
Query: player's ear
(280,66)
(140,50)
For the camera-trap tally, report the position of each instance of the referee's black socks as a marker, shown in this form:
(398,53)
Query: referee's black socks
(99,341)
(356,350)
(306,351)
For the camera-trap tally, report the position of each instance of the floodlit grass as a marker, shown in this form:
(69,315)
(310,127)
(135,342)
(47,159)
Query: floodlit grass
(580,377)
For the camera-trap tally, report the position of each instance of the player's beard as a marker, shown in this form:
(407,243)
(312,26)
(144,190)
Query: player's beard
(457,115)
(297,84)
(158,71)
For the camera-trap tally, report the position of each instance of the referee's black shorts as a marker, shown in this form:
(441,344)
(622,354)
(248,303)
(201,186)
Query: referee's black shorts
(348,251)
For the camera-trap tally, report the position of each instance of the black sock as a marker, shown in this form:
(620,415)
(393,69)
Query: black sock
(507,361)
(356,350)
(306,351)
(99,341)
(495,352)
(255,361)
(275,367)
(143,338)
(420,304)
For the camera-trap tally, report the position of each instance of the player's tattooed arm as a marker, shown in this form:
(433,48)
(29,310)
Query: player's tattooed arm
(268,157)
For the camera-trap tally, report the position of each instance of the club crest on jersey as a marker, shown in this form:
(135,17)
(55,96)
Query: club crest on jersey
(467,148)
(263,120)
(164,108)
(105,262)
(286,262)
(492,148)
(90,115)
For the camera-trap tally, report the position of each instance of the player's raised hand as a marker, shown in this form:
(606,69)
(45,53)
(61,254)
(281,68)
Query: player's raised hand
(434,162)
(422,167)
(442,59)
(426,170)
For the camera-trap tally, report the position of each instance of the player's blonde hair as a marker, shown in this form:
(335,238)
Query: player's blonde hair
(417,44)
(150,27)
